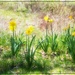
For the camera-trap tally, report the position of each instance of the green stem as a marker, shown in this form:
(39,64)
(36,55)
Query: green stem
(13,34)
(26,43)
(52,32)
(52,29)
(46,31)
(13,44)
(28,48)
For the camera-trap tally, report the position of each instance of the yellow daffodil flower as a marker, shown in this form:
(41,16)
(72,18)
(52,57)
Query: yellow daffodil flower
(46,18)
(29,30)
(73,34)
(70,17)
(11,28)
(50,20)
(12,25)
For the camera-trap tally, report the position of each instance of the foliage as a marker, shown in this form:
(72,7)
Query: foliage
(30,51)
(53,42)
(44,44)
(15,45)
(69,41)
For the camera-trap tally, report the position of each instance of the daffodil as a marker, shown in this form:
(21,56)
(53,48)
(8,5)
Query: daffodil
(29,30)
(46,18)
(12,25)
(11,28)
(50,20)
(73,33)
(70,17)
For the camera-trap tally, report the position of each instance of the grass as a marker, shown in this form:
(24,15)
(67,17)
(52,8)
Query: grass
(47,64)
(43,66)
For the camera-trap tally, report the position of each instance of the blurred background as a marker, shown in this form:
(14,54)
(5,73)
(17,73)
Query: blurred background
(31,12)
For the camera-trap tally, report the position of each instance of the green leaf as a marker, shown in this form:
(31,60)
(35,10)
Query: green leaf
(32,41)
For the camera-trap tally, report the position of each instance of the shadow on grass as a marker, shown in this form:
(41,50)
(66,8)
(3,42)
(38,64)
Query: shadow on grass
(7,66)
(40,66)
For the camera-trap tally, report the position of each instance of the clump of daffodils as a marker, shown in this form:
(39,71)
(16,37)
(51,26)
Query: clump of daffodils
(30,30)
(12,25)
(47,19)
